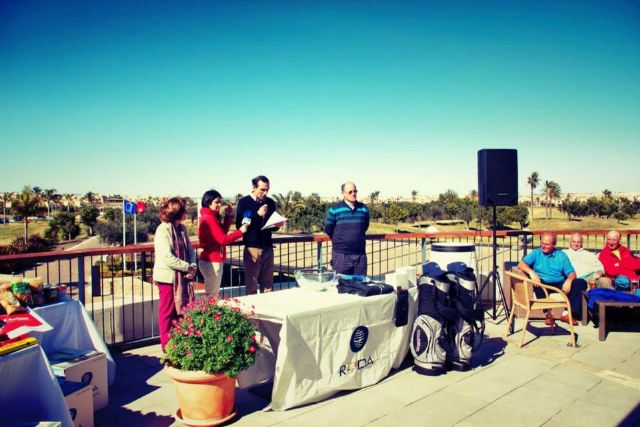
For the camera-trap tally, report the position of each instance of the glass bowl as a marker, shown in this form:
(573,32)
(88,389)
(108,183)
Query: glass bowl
(315,280)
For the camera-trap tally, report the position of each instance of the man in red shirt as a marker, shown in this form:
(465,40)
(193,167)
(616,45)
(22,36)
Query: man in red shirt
(618,260)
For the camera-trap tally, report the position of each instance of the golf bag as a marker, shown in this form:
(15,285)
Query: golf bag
(448,327)
(467,330)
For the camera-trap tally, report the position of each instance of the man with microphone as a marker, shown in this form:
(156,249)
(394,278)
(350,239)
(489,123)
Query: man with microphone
(254,210)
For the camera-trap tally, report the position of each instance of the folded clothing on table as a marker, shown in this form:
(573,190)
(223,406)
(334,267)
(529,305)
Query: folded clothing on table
(362,288)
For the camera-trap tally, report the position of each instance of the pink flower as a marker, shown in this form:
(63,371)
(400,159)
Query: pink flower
(174,346)
(252,349)
(189,353)
(185,332)
(252,338)
(216,316)
(198,332)
(229,338)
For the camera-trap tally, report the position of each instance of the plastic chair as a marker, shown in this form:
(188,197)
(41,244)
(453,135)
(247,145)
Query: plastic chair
(521,295)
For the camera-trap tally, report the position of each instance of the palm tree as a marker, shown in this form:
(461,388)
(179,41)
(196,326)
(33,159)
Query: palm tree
(287,205)
(607,194)
(68,199)
(533,181)
(555,194)
(414,193)
(27,204)
(552,192)
(49,195)
(373,197)
(473,195)
(6,197)
(90,197)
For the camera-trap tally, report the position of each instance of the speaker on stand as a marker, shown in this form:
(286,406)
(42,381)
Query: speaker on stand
(497,186)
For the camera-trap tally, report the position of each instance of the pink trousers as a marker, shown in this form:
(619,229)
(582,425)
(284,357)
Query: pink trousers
(166,312)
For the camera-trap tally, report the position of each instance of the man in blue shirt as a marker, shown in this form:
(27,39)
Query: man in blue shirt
(346,224)
(552,267)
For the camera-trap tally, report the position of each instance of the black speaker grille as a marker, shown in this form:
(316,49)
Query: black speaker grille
(498,177)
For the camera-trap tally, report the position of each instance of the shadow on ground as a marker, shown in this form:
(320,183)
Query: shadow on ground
(131,384)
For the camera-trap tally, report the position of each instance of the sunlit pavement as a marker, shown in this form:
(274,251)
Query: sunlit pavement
(544,383)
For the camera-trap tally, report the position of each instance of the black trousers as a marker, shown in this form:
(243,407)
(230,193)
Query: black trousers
(575,294)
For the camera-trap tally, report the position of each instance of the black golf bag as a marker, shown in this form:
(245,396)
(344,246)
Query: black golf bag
(448,327)
(467,330)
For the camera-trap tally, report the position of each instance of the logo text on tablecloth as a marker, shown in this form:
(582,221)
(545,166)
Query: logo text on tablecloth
(359,338)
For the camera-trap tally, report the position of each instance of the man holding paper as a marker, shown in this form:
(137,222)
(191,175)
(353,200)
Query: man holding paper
(255,211)
(586,264)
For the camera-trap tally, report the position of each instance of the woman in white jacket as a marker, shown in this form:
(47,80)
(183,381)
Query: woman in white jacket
(174,266)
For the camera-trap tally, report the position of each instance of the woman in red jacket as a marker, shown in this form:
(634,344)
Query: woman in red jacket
(213,234)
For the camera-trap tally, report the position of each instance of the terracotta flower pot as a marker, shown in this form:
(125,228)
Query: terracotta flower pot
(203,399)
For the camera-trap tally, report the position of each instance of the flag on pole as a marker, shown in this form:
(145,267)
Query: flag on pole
(129,207)
(140,207)
(125,204)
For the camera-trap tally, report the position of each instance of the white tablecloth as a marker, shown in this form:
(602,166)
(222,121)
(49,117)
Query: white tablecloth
(311,334)
(72,328)
(29,391)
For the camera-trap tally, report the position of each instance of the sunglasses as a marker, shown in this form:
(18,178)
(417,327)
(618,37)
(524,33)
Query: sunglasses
(352,192)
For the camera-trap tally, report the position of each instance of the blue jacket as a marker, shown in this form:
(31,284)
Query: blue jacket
(347,227)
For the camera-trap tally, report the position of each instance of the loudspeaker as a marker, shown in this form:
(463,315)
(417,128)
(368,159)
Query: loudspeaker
(497,177)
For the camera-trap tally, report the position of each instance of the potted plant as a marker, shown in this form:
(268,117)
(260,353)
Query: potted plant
(210,345)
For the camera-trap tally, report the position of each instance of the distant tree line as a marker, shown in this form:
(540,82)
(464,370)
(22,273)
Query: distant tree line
(620,208)
(306,213)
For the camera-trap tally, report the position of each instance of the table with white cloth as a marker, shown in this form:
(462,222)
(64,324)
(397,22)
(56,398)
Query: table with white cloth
(324,342)
(29,391)
(72,328)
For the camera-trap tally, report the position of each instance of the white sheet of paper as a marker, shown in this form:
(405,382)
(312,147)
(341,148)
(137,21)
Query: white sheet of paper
(274,219)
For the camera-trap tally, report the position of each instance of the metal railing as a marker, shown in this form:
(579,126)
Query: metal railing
(123,302)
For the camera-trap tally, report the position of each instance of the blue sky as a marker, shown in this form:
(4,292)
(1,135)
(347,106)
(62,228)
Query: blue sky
(168,98)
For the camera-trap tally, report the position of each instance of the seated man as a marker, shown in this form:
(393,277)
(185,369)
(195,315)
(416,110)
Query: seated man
(552,267)
(586,264)
(618,260)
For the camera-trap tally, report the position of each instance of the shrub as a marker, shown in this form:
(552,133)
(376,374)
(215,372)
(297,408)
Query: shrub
(33,244)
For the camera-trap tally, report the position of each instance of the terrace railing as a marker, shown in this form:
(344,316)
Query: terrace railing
(123,300)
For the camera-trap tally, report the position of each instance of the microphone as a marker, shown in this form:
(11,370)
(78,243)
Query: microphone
(246,218)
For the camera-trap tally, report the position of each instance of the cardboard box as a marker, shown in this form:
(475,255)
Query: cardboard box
(79,398)
(84,366)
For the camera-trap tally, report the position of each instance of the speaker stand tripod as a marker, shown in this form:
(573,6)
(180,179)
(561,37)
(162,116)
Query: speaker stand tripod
(494,278)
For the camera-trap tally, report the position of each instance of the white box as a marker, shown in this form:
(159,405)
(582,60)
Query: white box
(84,366)
(79,398)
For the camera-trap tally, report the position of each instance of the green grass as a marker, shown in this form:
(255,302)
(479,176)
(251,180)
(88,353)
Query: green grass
(8,232)
(558,221)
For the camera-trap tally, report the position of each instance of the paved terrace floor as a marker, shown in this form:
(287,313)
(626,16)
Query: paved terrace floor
(544,383)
